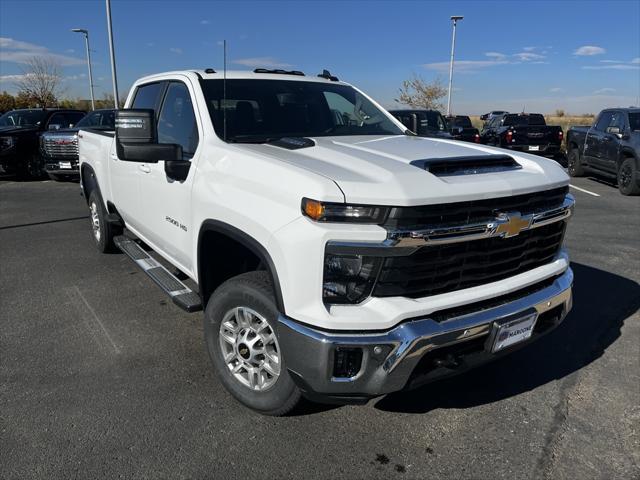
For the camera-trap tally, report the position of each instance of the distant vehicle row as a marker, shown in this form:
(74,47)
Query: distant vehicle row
(33,140)
(523,132)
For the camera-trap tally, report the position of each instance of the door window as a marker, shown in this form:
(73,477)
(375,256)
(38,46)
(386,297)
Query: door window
(177,121)
(148,96)
(617,120)
(604,121)
(65,119)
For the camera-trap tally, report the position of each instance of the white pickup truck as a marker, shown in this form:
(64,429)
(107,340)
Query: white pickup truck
(335,254)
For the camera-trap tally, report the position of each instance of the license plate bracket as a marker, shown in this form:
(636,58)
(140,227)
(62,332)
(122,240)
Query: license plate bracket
(510,331)
(534,148)
(65,165)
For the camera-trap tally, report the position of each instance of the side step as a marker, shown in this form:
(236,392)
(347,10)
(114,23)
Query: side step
(180,294)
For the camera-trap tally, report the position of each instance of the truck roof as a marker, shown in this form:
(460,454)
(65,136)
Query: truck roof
(261,74)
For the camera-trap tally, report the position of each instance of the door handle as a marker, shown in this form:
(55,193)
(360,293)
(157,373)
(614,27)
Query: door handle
(144,168)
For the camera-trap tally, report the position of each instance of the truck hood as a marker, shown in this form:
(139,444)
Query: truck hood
(379,169)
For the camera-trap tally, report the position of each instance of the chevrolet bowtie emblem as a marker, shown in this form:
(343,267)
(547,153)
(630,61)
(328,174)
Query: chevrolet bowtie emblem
(511,224)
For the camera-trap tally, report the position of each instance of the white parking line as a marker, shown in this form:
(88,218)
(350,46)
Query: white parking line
(583,190)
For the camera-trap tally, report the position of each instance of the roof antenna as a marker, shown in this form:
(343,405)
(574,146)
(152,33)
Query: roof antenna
(224,92)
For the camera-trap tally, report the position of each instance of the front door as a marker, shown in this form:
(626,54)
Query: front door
(166,201)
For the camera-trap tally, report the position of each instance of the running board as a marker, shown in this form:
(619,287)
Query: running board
(180,294)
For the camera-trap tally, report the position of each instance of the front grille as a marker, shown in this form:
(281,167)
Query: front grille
(462,213)
(435,269)
(60,147)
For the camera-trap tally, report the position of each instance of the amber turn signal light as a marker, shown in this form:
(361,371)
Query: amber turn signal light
(313,209)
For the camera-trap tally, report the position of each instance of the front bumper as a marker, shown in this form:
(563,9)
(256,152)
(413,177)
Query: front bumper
(61,166)
(415,351)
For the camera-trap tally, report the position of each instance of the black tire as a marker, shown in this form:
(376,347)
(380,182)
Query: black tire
(251,291)
(628,177)
(102,231)
(574,163)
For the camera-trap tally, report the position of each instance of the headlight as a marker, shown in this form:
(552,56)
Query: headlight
(6,142)
(349,278)
(341,212)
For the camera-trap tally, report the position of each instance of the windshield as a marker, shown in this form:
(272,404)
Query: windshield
(22,118)
(634,122)
(430,121)
(523,120)
(262,110)
(104,120)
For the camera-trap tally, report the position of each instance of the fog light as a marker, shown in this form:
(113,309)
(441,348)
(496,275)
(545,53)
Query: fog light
(347,362)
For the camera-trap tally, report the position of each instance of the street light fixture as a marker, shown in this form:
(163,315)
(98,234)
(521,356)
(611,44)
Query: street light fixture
(454,19)
(86,39)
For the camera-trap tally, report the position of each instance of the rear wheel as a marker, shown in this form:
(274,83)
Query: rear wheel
(574,163)
(240,335)
(627,177)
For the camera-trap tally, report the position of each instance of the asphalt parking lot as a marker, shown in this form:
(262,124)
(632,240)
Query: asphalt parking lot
(101,376)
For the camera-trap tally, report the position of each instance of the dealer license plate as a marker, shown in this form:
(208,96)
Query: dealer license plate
(534,148)
(65,164)
(513,331)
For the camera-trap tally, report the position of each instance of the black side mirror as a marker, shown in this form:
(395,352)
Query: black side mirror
(137,138)
(613,130)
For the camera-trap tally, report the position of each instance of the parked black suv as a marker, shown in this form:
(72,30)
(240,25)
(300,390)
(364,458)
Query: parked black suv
(59,148)
(426,123)
(461,128)
(19,137)
(611,146)
(526,132)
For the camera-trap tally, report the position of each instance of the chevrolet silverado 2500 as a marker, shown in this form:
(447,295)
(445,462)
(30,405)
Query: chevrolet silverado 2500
(336,255)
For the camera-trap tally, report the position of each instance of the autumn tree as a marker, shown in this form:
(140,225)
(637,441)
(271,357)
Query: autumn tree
(419,93)
(40,80)
(7,102)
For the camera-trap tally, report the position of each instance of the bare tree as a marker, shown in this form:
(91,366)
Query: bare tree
(419,93)
(40,81)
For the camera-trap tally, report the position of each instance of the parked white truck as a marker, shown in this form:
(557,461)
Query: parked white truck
(335,254)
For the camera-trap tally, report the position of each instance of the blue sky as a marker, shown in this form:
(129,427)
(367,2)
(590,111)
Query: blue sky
(580,56)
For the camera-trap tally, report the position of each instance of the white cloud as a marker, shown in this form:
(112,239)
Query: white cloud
(204,22)
(529,49)
(589,50)
(635,60)
(495,59)
(265,62)
(556,90)
(151,44)
(604,90)
(17,51)
(176,50)
(11,78)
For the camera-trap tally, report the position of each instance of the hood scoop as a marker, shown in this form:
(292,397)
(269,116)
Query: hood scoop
(293,143)
(469,165)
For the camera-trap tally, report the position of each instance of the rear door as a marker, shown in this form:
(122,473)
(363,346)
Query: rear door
(167,202)
(125,175)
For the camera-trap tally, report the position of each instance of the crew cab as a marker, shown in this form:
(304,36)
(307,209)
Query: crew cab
(526,132)
(485,117)
(611,147)
(426,123)
(19,137)
(335,254)
(461,128)
(59,148)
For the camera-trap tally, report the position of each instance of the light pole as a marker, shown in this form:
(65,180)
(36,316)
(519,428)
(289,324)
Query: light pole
(113,56)
(86,41)
(454,19)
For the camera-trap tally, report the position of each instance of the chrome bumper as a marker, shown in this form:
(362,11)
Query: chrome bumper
(389,358)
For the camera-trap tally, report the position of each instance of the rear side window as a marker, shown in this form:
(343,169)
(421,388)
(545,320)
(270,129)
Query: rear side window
(148,96)
(634,122)
(177,120)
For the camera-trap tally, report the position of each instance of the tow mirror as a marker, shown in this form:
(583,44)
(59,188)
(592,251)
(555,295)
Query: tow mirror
(137,138)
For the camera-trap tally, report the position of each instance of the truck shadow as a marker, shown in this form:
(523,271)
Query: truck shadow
(602,302)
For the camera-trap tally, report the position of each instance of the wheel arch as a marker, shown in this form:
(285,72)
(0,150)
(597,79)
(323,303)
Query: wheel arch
(213,233)
(625,153)
(88,181)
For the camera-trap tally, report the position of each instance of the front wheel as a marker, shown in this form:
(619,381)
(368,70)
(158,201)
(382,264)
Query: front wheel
(102,231)
(628,178)
(240,324)
(574,163)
